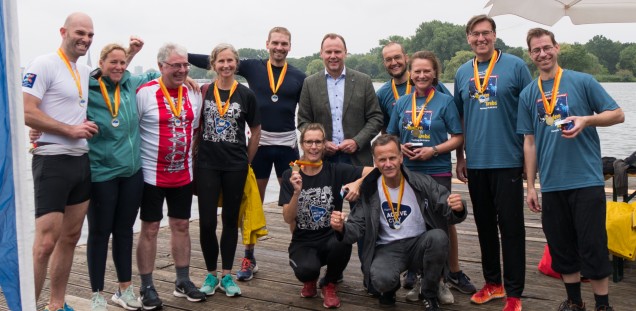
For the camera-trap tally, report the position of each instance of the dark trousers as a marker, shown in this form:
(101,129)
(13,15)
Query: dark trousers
(210,184)
(497,197)
(113,210)
(307,257)
(427,253)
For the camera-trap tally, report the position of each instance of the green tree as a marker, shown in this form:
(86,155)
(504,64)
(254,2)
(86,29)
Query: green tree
(198,73)
(606,50)
(443,39)
(576,57)
(314,66)
(627,59)
(450,66)
(253,53)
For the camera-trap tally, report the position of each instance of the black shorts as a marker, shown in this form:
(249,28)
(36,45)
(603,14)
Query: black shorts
(574,225)
(179,202)
(59,181)
(279,156)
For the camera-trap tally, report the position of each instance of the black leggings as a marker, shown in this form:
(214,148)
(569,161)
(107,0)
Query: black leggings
(306,258)
(113,209)
(210,184)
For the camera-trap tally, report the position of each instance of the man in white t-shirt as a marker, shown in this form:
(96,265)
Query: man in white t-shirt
(55,91)
(403,219)
(168,115)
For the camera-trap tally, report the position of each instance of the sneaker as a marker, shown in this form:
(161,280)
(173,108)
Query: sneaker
(568,305)
(229,287)
(127,299)
(512,304)
(189,291)
(322,280)
(210,285)
(98,303)
(487,293)
(410,278)
(461,282)
(67,307)
(430,304)
(605,308)
(444,294)
(414,294)
(309,290)
(49,309)
(329,296)
(248,268)
(387,299)
(149,298)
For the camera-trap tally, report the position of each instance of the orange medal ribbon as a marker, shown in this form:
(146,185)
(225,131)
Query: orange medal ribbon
(217,97)
(306,163)
(396,211)
(482,88)
(176,110)
(417,119)
(114,110)
(549,106)
(270,75)
(408,87)
(75,73)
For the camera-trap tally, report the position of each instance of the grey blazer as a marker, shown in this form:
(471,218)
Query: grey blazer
(361,113)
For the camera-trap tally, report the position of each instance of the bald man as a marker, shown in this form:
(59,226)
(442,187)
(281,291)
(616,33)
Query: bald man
(55,91)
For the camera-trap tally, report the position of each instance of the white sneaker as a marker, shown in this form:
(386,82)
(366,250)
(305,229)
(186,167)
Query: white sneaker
(444,294)
(98,303)
(126,299)
(414,294)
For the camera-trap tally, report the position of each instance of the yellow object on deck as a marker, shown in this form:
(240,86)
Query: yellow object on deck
(251,215)
(621,229)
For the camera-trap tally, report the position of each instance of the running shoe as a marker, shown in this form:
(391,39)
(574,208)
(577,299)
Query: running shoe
(189,291)
(210,285)
(126,299)
(149,298)
(229,287)
(431,304)
(488,293)
(98,303)
(309,290)
(330,296)
(461,282)
(248,268)
(568,305)
(444,295)
(512,304)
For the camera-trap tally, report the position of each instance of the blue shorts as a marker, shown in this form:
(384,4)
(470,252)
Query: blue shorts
(279,156)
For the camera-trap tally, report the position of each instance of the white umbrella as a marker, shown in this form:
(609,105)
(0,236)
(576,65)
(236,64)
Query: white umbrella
(548,12)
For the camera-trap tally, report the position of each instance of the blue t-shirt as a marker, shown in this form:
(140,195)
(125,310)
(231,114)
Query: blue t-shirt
(490,136)
(387,100)
(440,118)
(565,163)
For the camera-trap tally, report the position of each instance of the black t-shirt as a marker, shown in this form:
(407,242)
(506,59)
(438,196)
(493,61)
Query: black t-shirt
(319,196)
(223,144)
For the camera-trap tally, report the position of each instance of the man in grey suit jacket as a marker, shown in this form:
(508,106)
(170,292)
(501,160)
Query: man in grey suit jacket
(340,94)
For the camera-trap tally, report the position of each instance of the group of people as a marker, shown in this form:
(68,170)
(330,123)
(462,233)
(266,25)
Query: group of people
(110,145)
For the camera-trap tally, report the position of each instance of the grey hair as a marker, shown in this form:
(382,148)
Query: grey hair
(167,49)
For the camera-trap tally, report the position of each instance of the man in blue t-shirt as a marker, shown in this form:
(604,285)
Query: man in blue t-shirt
(277,86)
(487,94)
(558,114)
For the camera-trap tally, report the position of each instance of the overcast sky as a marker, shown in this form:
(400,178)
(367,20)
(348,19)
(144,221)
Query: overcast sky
(200,25)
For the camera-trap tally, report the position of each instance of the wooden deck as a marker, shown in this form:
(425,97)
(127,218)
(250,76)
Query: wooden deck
(275,287)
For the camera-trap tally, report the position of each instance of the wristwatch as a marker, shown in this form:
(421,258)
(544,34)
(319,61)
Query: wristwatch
(435,153)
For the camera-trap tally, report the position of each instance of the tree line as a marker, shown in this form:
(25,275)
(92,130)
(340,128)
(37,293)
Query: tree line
(607,60)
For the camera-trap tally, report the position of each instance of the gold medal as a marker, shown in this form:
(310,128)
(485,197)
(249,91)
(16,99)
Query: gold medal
(549,120)
(415,133)
(549,106)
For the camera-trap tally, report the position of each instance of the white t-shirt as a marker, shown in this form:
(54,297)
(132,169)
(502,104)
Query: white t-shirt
(166,141)
(48,79)
(411,221)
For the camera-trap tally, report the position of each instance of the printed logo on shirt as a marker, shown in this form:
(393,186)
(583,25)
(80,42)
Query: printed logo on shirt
(560,112)
(29,80)
(487,100)
(405,211)
(314,208)
(419,133)
(221,128)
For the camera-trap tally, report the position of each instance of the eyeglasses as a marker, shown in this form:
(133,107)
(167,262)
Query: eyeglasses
(310,143)
(394,58)
(178,66)
(546,49)
(484,33)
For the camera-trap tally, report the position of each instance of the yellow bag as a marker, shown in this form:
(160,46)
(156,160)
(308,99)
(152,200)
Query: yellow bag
(621,229)
(251,215)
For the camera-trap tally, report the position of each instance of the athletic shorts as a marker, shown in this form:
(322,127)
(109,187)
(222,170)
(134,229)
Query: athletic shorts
(179,201)
(574,225)
(59,181)
(279,156)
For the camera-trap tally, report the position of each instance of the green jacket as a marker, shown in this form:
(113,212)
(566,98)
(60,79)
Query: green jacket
(114,151)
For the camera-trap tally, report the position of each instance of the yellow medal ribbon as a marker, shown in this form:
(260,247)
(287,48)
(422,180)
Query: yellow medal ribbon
(482,88)
(408,87)
(270,75)
(416,117)
(396,211)
(176,110)
(114,110)
(217,97)
(75,73)
(306,163)
(549,106)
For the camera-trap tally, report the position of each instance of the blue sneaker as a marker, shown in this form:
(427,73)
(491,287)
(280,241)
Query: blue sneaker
(248,268)
(210,285)
(229,287)
(67,307)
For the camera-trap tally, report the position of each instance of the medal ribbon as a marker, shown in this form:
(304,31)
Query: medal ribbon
(217,97)
(417,119)
(270,75)
(549,106)
(75,73)
(114,111)
(306,163)
(176,111)
(408,87)
(481,88)
(395,212)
